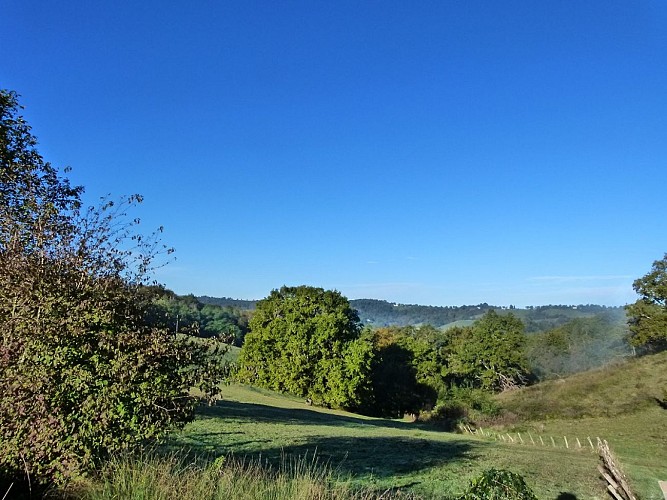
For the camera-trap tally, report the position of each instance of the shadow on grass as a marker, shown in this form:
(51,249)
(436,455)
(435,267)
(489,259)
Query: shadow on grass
(297,416)
(378,457)
(372,457)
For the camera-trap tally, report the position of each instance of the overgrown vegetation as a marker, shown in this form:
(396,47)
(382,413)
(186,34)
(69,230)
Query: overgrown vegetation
(83,375)
(497,484)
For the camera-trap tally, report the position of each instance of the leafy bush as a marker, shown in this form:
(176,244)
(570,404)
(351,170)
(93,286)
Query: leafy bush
(498,484)
(463,405)
(83,375)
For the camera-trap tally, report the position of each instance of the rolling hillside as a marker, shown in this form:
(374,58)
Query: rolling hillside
(624,403)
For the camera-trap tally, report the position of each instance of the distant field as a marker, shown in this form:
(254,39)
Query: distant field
(378,453)
(461,322)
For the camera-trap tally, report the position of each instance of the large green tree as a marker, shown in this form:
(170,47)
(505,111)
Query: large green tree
(82,374)
(490,354)
(308,342)
(647,317)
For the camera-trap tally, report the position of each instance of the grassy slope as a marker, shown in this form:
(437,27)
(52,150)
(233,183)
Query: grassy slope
(617,403)
(378,453)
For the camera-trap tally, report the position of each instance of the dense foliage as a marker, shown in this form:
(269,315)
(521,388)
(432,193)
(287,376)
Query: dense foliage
(83,376)
(308,342)
(491,354)
(498,484)
(648,316)
(405,371)
(449,373)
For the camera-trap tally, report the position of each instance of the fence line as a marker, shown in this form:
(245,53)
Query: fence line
(518,439)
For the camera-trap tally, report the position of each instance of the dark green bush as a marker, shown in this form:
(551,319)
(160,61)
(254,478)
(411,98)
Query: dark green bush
(462,405)
(498,484)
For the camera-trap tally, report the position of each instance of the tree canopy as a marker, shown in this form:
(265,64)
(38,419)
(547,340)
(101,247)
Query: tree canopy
(308,342)
(491,354)
(648,316)
(83,374)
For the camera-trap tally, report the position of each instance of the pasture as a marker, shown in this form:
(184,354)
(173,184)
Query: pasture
(377,454)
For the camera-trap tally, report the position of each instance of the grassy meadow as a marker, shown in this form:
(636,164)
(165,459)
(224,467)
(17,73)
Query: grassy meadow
(376,454)
(258,444)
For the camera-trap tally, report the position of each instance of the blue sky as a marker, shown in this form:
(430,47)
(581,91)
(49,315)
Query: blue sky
(444,153)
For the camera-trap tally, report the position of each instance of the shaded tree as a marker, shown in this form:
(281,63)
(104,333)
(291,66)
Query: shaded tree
(400,379)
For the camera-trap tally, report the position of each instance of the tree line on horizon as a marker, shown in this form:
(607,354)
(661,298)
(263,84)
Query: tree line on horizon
(378,313)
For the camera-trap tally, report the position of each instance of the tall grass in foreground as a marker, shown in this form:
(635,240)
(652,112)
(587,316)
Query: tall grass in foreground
(157,477)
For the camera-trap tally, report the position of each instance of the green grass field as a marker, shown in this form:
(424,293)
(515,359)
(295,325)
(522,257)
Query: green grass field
(256,444)
(376,453)
(618,403)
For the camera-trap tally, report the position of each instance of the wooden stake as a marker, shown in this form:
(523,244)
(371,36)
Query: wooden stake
(566,445)
(531,438)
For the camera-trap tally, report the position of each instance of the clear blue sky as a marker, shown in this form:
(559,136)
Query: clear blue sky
(443,153)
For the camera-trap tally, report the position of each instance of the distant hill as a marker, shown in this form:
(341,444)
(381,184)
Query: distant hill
(373,312)
(539,318)
(382,313)
(244,305)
